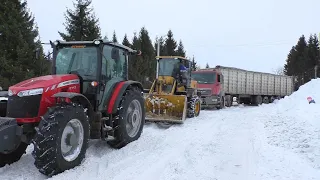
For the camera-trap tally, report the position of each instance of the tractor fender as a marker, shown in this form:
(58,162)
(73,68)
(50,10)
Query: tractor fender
(79,98)
(119,90)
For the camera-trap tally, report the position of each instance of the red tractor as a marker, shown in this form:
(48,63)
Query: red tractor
(88,96)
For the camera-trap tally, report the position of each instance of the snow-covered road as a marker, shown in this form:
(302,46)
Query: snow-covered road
(272,142)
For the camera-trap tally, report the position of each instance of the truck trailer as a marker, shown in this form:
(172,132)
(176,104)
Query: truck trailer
(221,86)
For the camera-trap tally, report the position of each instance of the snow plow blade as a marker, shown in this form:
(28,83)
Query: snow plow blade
(166,108)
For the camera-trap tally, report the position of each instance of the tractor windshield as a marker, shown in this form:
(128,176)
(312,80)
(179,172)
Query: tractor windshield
(167,66)
(83,60)
(204,77)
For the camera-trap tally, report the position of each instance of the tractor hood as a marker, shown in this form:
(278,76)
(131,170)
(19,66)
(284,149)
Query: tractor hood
(41,82)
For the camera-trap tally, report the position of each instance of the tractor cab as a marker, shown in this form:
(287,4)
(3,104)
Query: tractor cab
(174,68)
(98,64)
(173,95)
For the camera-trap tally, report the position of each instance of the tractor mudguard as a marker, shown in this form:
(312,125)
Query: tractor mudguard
(117,93)
(76,97)
(9,131)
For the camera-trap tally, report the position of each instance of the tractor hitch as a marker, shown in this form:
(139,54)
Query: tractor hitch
(9,134)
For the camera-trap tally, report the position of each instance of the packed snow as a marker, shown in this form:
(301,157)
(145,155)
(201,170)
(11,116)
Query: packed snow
(276,141)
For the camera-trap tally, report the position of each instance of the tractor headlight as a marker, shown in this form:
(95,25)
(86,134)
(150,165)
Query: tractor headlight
(30,92)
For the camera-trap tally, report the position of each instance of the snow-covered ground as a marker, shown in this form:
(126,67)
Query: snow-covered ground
(271,142)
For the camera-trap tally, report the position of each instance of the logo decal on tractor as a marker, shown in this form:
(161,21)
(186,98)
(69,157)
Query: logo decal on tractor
(70,82)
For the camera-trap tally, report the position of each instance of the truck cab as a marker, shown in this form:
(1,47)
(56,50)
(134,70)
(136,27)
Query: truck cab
(210,85)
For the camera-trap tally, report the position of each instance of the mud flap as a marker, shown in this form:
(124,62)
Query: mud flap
(9,133)
(3,106)
(166,108)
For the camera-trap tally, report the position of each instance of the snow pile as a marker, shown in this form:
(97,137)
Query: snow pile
(294,124)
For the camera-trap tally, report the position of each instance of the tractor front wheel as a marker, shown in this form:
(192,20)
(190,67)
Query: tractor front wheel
(62,139)
(194,107)
(14,155)
(130,119)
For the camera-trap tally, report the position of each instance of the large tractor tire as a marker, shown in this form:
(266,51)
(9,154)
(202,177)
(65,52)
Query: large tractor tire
(194,107)
(61,140)
(14,155)
(130,118)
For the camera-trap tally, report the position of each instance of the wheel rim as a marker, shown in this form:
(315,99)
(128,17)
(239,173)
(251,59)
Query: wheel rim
(133,118)
(197,108)
(72,140)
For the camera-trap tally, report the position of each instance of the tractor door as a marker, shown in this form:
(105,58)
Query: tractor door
(82,61)
(114,69)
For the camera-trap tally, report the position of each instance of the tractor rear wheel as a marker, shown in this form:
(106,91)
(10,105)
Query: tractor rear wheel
(14,155)
(62,139)
(130,119)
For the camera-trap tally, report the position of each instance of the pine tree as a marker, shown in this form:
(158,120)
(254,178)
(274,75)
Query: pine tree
(302,59)
(81,24)
(148,55)
(162,48)
(114,37)
(170,44)
(193,64)
(289,67)
(207,65)
(313,53)
(136,61)
(19,39)
(126,41)
(180,50)
(105,38)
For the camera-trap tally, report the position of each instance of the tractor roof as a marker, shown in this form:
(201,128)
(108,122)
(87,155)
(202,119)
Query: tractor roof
(92,42)
(172,57)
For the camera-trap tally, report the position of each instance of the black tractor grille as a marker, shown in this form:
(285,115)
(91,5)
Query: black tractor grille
(23,107)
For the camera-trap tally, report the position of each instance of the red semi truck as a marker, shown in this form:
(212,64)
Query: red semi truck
(221,86)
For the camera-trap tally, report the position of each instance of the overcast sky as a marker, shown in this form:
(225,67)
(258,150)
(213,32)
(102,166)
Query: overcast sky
(251,34)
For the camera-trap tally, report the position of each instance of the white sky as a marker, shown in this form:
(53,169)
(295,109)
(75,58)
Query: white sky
(250,34)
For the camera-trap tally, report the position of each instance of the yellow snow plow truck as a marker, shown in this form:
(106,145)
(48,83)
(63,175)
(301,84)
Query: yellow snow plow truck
(173,96)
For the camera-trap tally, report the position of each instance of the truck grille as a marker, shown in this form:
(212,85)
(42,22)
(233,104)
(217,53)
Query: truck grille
(23,107)
(205,92)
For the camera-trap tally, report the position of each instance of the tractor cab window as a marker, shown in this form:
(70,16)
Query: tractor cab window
(81,60)
(204,78)
(113,63)
(167,66)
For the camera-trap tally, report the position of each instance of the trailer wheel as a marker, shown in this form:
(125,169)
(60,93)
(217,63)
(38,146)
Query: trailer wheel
(130,119)
(272,99)
(265,100)
(62,139)
(228,100)
(13,156)
(257,100)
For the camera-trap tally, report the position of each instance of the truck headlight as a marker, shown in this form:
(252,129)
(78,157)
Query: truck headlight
(30,92)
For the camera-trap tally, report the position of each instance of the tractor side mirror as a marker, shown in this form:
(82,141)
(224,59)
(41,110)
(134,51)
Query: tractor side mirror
(137,52)
(115,54)
(37,53)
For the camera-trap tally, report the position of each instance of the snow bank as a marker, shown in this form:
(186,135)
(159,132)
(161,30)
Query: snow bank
(293,123)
